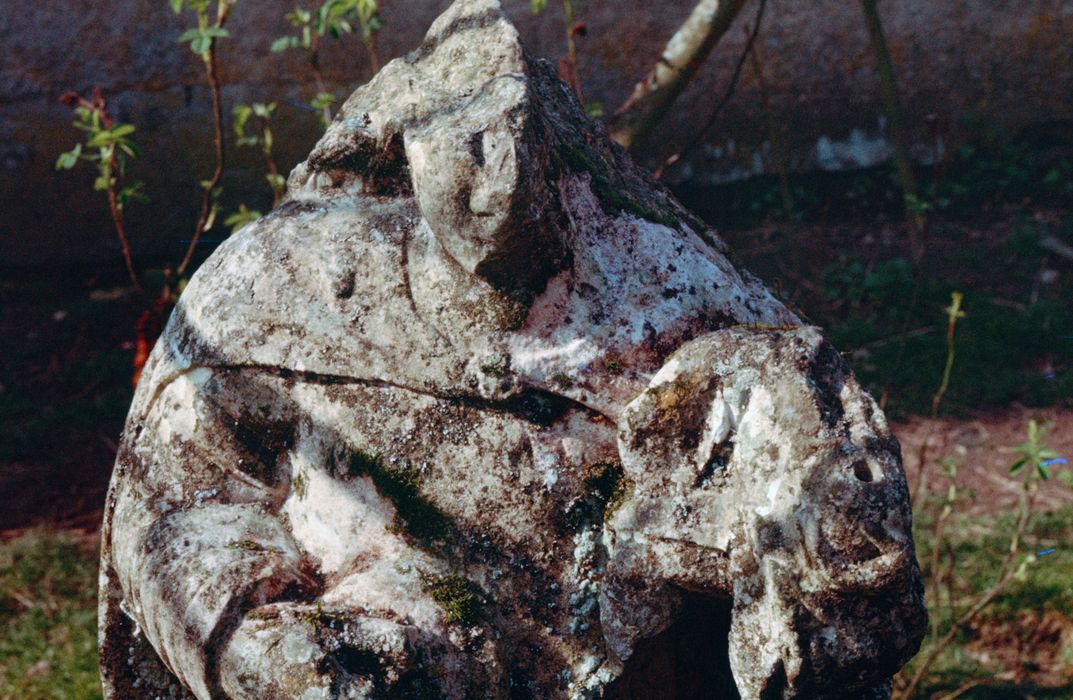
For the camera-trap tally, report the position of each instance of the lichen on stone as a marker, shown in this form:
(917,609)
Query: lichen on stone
(471,411)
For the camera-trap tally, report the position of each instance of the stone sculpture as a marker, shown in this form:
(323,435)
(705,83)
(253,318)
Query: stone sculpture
(481,411)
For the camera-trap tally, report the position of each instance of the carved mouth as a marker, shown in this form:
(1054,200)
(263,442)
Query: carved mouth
(690,659)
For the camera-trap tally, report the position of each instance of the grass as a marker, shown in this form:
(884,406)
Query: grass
(1045,589)
(48,614)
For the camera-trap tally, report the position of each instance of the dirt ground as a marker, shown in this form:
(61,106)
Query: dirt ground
(982,447)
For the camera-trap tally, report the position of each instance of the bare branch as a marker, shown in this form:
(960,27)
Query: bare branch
(679,62)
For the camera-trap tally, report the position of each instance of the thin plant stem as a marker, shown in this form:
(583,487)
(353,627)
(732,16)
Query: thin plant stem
(318,76)
(713,117)
(114,208)
(962,689)
(569,69)
(207,204)
(374,53)
(1007,572)
(121,232)
(270,161)
(936,575)
(953,314)
(757,61)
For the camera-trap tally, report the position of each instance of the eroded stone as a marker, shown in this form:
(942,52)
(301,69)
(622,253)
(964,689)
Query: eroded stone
(480,411)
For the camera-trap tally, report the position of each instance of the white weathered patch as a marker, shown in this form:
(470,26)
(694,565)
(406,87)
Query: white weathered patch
(179,422)
(772,493)
(535,357)
(666,374)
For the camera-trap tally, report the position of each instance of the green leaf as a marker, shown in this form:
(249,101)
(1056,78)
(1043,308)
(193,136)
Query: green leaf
(1016,466)
(322,100)
(241,114)
(128,147)
(189,35)
(276,181)
(538,6)
(201,44)
(103,183)
(176,6)
(122,129)
(216,33)
(283,43)
(68,160)
(241,218)
(131,193)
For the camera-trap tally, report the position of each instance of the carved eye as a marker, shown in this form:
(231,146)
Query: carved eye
(476,148)
(862,471)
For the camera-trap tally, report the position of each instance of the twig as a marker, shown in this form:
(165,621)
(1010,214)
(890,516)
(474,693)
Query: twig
(962,689)
(774,133)
(207,204)
(731,87)
(953,314)
(936,575)
(318,76)
(570,72)
(1007,571)
(679,61)
(100,106)
(121,232)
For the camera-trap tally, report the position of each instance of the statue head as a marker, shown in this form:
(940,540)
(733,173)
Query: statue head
(762,474)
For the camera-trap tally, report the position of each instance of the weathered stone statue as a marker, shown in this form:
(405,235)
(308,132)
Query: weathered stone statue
(481,411)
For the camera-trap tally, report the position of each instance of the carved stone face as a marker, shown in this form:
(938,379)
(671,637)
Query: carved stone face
(763,474)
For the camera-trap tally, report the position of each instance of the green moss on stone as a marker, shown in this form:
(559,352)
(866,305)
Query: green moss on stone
(459,598)
(419,517)
(603,488)
(613,195)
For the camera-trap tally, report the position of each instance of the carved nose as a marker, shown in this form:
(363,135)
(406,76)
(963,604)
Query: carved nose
(862,537)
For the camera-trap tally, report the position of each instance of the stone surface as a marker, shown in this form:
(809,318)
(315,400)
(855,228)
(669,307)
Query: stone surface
(481,411)
(1008,63)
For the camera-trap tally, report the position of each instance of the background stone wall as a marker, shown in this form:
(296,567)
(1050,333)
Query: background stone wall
(1002,62)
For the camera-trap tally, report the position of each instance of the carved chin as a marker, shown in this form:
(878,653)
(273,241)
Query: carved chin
(827,645)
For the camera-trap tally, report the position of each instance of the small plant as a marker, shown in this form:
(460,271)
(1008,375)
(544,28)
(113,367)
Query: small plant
(953,315)
(108,145)
(569,67)
(332,18)
(1034,466)
(260,138)
(202,40)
